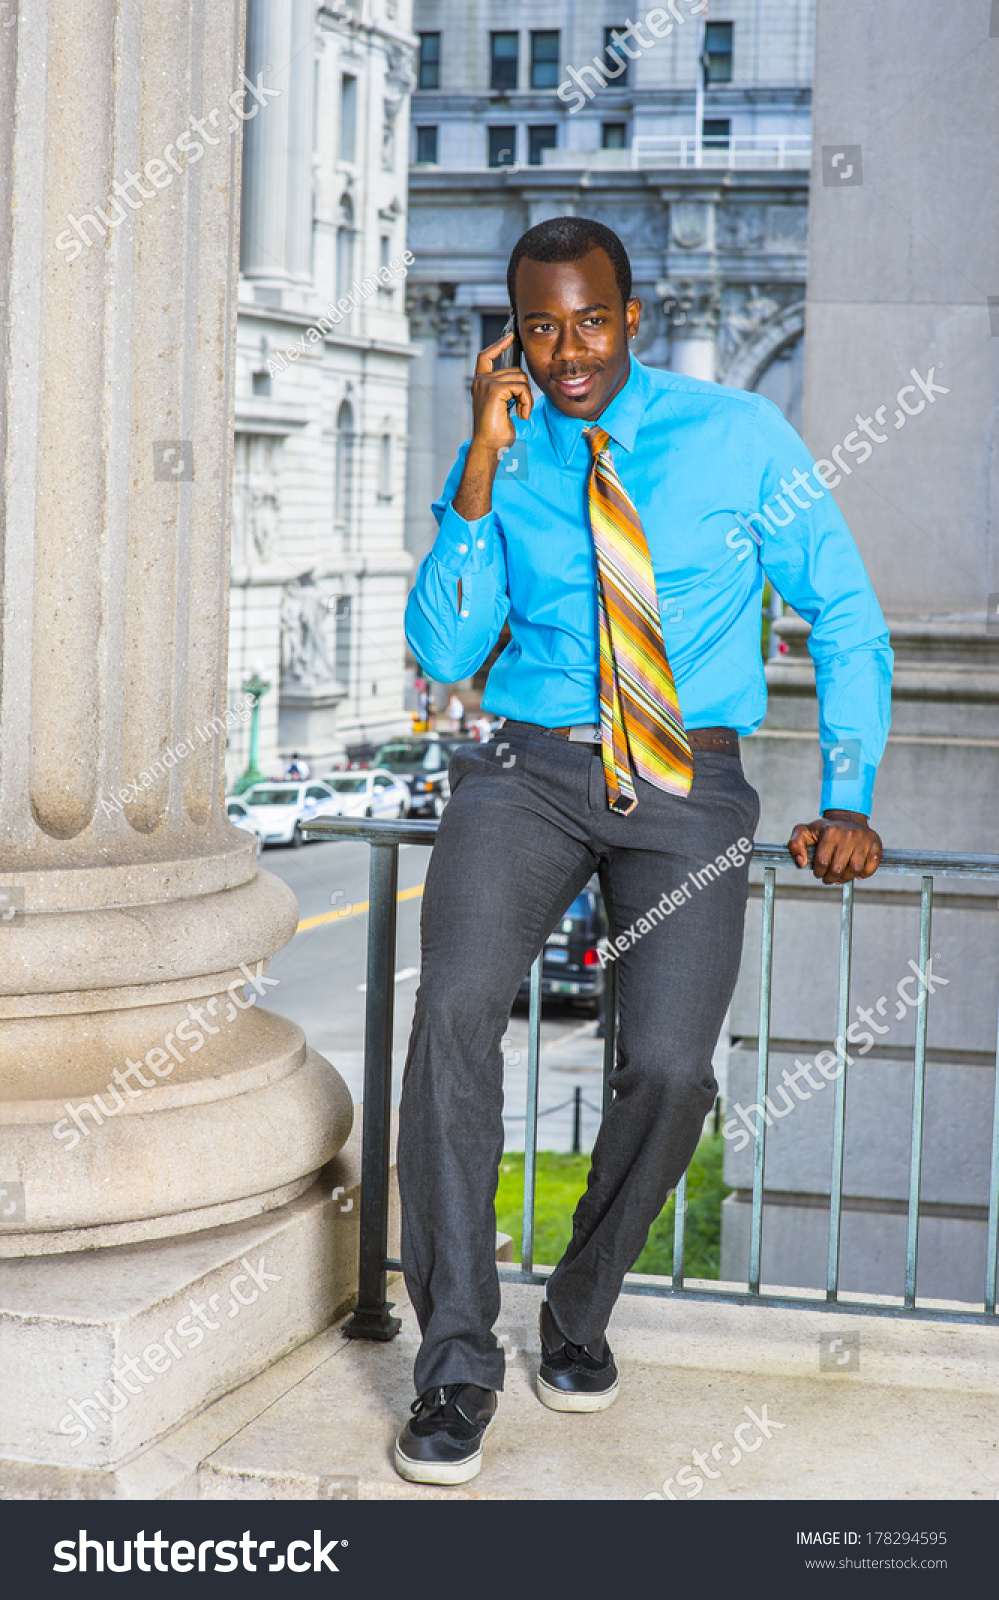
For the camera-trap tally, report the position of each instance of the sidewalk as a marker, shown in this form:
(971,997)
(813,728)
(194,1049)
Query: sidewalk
(568,1059)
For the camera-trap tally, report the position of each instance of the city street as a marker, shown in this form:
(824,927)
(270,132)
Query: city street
(322,975)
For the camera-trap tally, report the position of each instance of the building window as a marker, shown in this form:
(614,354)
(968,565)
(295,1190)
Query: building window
(544,60)
(426,147)
(341,640)
(614,135)
(261,383)
(344,487)
(615,61)
(718,52)
(502,147)
(385,467)
(384,257)
(348,118)
(430,61)
(715,132)
(539,140)
(504,53)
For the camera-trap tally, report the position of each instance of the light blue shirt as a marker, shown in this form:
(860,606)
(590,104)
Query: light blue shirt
(727,495)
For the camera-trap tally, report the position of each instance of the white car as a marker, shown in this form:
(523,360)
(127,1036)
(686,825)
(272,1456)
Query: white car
(240,817)
(373,792)
(280,808)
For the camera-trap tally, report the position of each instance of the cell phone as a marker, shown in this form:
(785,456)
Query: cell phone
(513,356)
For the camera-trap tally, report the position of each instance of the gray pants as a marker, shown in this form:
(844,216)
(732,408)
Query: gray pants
(526,827)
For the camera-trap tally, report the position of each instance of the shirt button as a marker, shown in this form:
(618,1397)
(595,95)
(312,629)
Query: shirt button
(482,544)
(464,613)
(463,549)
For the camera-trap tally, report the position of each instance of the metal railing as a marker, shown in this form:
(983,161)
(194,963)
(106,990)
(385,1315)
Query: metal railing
(371,1319)
(743,151)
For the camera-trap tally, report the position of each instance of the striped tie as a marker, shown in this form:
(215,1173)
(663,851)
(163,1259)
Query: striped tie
(640,721)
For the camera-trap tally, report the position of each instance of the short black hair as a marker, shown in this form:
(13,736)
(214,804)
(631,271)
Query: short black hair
(569,239)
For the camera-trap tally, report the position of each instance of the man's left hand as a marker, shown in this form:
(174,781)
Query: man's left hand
(846,847)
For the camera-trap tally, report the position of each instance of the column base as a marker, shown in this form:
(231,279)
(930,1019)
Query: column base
(68,1240)
(159,1331)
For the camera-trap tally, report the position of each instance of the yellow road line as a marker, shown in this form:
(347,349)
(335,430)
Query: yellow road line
(355,911)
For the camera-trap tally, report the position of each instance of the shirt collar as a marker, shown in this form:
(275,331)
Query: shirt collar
(621,419)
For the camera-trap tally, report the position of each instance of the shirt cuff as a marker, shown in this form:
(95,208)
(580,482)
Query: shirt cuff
(852,791)
(462,546)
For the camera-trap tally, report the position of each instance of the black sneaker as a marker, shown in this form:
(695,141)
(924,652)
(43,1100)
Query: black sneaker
(574,1377)
(442,1443)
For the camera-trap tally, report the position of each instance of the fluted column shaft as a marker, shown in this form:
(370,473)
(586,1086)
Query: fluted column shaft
(277,203)
(132,897)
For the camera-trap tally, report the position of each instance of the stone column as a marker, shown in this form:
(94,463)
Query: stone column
(143,1095)
(277,199)
(692,310)
(901,387)
(689,294)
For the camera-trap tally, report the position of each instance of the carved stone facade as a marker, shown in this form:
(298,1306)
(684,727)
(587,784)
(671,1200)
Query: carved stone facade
(718,251)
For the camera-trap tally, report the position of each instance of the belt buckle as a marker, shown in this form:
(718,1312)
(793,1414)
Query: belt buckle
(584,733)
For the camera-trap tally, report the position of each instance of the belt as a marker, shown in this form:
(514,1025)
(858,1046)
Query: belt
(723,739)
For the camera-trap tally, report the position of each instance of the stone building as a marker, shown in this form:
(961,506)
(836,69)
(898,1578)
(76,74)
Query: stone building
(903,334)
(693,145)
(319,569)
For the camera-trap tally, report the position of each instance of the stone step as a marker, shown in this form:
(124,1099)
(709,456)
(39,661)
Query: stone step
(779,1404)
(910,1413)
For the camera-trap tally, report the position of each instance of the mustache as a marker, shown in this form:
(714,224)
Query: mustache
(575,369)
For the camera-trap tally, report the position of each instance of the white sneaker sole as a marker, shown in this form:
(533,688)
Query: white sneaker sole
(440,1472)
(562,1400)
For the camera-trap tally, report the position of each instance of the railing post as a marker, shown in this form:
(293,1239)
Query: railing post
(531,1117)
(679,1231)
(839,1104)
(918,1093)
(992,1241)
(762,1069)
(610,1031)
(371,1319)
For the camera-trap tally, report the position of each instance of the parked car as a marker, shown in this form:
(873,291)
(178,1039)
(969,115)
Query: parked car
(371,793)
(570,965)
(240,817)
(361,755)
(422,764)
(281,808)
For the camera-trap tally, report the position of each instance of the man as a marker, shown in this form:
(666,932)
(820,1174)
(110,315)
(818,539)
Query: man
(614,543)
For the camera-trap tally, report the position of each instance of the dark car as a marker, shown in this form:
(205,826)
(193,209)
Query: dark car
(361,755)
(422,763)
(570,967)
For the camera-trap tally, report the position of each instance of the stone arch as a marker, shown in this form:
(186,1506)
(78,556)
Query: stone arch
(762,347)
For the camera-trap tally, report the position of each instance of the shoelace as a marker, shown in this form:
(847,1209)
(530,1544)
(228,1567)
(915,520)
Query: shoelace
(443,1399)
(579,1352)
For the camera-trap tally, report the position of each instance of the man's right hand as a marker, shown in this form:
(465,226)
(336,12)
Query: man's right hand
(492,427)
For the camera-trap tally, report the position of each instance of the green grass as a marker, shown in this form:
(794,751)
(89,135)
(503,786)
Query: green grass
(561,1180)
(765,639)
